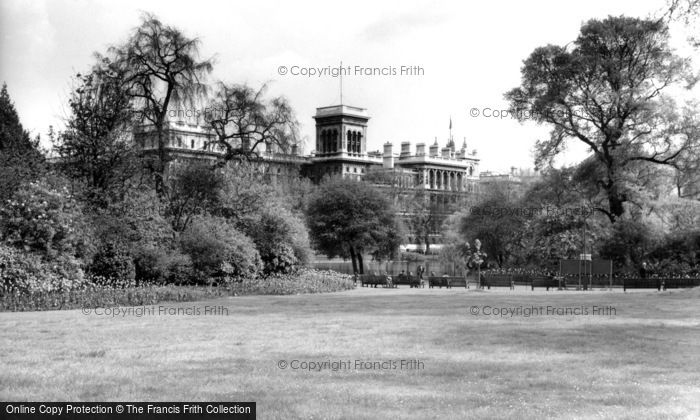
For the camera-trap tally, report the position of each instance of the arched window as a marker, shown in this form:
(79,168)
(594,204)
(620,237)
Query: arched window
(359,142)
(335,140)
(349,139)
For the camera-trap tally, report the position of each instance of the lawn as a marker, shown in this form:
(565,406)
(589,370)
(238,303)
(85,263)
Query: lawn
(641,362)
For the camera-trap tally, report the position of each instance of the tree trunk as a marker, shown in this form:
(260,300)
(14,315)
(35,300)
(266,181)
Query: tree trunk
(359,263)
(354,261)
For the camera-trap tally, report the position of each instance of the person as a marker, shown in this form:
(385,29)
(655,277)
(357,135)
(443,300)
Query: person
(389,280)
(643,271)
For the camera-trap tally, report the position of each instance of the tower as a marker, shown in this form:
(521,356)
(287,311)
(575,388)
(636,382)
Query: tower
(341,130)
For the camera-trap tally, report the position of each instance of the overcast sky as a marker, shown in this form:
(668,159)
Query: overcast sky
(470,55)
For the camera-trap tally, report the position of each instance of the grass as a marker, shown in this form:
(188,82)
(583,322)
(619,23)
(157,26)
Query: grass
(644,362)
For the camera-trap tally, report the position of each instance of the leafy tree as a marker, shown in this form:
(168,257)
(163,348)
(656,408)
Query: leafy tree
(243,121)
(244,192)
(161,67)
(348,218)
(497,220)
(96,148)
(607,91)
(20,158)
(194,188)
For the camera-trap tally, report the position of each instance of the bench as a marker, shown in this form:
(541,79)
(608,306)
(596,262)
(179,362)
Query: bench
(458,282)
(412,281)
(545,282)
(439,282)
(373,280)
(498,280)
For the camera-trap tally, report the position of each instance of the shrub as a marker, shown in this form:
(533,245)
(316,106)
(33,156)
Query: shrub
(158,265)
(24,272)
(45,219)
(219,250)
(113,263)
(281,239)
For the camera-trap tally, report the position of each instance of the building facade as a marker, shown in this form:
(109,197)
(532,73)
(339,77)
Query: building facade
(433,179)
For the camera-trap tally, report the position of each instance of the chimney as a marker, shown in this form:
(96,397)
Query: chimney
(434,150)
(420,149)
(405,148)
(388,156)
(446,152)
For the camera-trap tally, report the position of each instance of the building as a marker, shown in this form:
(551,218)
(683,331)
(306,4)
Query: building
(425,179)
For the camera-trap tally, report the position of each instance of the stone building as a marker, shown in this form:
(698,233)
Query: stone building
(443,177)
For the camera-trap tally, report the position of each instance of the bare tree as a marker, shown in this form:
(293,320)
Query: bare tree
(243,121)
(161,67)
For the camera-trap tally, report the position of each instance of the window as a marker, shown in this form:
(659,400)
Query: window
(179,142)
(191,144)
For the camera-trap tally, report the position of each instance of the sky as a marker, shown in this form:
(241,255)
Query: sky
(464,56)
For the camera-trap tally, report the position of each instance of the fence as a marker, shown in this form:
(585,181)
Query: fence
(391,268)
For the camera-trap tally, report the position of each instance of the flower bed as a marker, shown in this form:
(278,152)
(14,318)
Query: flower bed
(95,295)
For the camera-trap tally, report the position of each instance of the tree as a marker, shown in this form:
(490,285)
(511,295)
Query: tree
(96,148)
(194,189)
(497,220)
(243,120)
(608,91)
(20,158)
(349,218)
(161,67)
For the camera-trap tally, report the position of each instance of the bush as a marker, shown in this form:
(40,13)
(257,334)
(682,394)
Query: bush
(45,219)
(24,272)
(281,239)
(158,265)
(113,263)
(220,251)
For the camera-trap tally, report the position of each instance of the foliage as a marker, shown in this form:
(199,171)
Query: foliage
(280,237)
(244,192)
(218,250)
(98,294)
(159,265)
(628,243)
(20,158)
(26,272)
(137,220)
(497,221)
(194,188)
(607,91)
(348,218)
(96,149)
(113,262)
(44,218)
